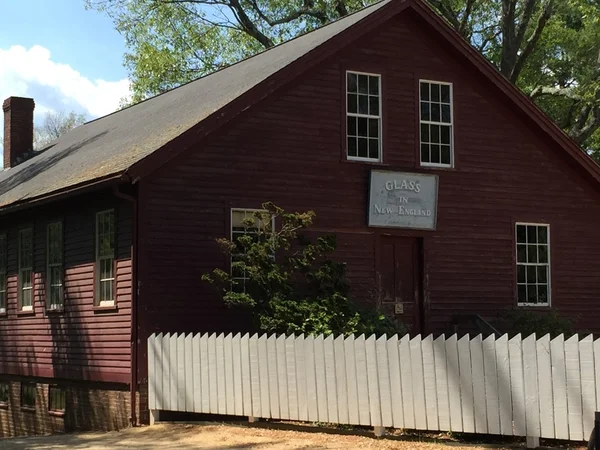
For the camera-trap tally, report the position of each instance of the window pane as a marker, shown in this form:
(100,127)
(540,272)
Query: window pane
(531,274)
(373,105)
(445,135)
(352,82)
(424,132)
(352,103)
(542,235)
(374,148)
(424,91)
(542,274)
(446,113)
(521,234)
(445,154)
(531,294)
(362,126)
(435,154)
(531,234)
(543,254)
(532,256)
(373,128)
(363,104)
(351,126)
(435,112)
(435,92)
(352,147)
(425,153)
(542,293)
(363,84)
(521,274)
(522,253)
(363,148)
(435,134)
(4,393)
(374,85)
(445,93)
(425,111)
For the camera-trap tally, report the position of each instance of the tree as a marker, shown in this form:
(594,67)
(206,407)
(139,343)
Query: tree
(549,48)
(290,284)
(55,124)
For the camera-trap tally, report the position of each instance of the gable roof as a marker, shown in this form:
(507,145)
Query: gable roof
(120,145)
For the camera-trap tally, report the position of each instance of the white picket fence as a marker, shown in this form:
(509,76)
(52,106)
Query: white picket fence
(522,387)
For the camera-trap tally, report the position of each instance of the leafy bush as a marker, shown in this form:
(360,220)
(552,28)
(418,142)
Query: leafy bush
(291,284)
(526,322)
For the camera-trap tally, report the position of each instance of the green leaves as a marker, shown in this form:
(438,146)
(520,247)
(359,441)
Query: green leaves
(289,281)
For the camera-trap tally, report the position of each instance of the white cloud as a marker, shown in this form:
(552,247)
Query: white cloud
(55,86)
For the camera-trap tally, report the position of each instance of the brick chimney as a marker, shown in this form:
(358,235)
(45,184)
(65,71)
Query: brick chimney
(18,129)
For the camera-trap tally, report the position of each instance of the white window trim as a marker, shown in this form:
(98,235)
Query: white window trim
(429,122)
(22,307)
(367,116)
(549,264)
(49,305)
(250,210)
(98,302)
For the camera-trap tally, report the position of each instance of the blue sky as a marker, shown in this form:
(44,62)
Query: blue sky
(66,57)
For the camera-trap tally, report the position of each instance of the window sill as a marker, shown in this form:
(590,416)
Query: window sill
(56,413)
(534,307)
(30,312)
(3,314)
(3,406)
(105,309)
(55,310)
(436,167)
(29,409)
(370,162)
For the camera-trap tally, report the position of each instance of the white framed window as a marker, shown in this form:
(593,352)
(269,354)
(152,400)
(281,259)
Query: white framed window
(533,264)
(435,114)
(54,268)
(105,258)
(56,399)
(3,271)
(363,116)
(240,228)
(25,275)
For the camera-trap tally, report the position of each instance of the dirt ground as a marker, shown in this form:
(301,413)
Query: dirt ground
(224,437)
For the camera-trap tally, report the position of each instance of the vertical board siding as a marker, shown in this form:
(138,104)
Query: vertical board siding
(521,387)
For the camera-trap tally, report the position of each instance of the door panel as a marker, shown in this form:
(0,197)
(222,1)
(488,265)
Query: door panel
(399,283)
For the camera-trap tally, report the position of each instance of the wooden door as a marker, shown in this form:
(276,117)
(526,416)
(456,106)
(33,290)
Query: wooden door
(398,268)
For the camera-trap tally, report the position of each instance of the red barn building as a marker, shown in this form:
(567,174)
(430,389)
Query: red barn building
(450,192)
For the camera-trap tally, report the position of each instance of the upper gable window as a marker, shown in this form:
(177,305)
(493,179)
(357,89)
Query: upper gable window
(363,114)
(436,124)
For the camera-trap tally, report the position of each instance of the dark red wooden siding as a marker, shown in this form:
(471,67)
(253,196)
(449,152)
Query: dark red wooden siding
(290,149)
(80,342)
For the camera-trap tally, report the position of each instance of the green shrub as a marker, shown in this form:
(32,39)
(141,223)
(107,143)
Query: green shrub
(292,285)
(526,322)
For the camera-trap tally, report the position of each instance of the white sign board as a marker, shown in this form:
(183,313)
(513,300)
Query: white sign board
(403,200)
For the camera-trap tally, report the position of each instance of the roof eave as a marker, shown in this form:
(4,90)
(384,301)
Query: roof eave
(71,191)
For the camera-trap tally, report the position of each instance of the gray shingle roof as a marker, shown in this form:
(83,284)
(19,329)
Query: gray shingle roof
(110,145)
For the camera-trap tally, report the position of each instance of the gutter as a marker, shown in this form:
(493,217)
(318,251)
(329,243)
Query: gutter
(134,300)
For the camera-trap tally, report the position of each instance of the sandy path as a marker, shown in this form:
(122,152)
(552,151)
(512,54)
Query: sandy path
(220,437)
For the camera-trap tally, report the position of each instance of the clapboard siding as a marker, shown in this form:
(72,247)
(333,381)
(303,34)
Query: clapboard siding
(289,149)
(78,342)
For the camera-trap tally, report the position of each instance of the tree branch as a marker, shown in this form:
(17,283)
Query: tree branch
(462,28)
(306,10)
(540,91)
(447,12)
(249,26)
(532,41)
